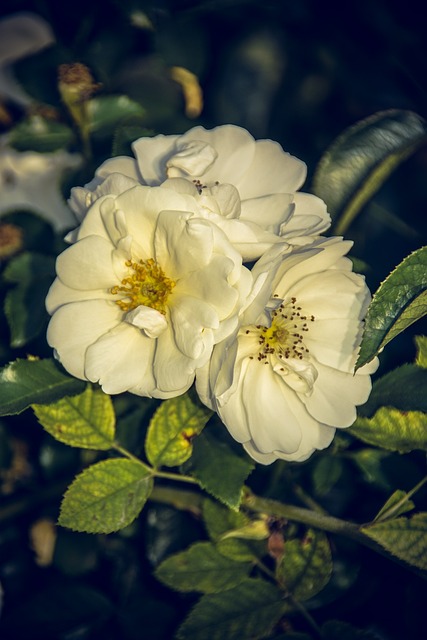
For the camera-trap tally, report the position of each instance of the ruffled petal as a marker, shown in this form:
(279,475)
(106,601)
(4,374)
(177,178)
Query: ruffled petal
(336,395)
(152,154)
(121,359)
(173,371)
(272,171)
(74,327)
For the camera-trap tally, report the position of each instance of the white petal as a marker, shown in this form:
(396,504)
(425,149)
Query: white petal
(182,244)
(149,320)
(192,158)
(269,212)
(173,371)
(272,171)
(335,396)
(152,155)
(59,294)
(74,327)
(192,320)
(87,265)
(235,148)
(120,360)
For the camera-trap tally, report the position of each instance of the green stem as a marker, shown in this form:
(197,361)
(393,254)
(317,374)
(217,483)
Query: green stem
(304,516)
(176,477)
(130,456)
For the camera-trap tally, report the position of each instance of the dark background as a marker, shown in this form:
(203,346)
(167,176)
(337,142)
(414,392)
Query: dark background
(298,72)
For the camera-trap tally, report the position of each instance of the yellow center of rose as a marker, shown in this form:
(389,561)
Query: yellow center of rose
(284,338)
(146,285)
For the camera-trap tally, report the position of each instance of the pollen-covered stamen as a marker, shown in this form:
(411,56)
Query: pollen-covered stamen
(284,338)
(200,186)
(147,285)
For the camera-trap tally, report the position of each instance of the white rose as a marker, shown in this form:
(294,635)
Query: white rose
(30,180)
(247,187)
(286,381)
(145,292)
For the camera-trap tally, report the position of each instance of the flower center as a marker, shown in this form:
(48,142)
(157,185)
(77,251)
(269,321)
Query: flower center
(147,285)
(285,337)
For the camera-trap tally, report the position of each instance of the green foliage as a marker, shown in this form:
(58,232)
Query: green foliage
(405,538)
(201,568)
(246,612)
(219,468)
(403,388)
(306,565)
(400,301)
(108,112)
(362,157)
(106,497)
(33,381)
(32,273)
(85,421)
(326,473)
(172,428)
(421,359)
(219,519)
(39,134)
(394,430)
(397,504)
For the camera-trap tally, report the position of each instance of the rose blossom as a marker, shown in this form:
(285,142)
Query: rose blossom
(145,292)
(285,381)
(248,187)
(30,181)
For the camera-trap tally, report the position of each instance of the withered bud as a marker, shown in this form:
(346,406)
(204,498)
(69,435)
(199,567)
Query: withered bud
(76,83)
(11,240)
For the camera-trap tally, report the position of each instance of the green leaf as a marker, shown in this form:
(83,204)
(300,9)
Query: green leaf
(421,359)
(223,524)
(25,304)
(362,157)
(403,388)
(326,473)
(247,612)
(306,565)
(106,497)
(201,568)
(397,504)
(393,430)
(399,301)
(371,463)
(107,112)
(38,134)
(219,466)
(405,538)
(219,519)
(26,382)
(242,550)
(85,421)
(172,428)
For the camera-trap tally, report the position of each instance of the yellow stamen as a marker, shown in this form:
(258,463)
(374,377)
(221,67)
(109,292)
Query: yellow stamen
(147,285)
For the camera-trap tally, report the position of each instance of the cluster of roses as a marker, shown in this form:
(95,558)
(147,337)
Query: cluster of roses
(199,261)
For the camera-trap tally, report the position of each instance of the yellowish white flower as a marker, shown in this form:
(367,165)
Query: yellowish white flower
(31,181)
(249,188)
(285,381)
(145,292)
